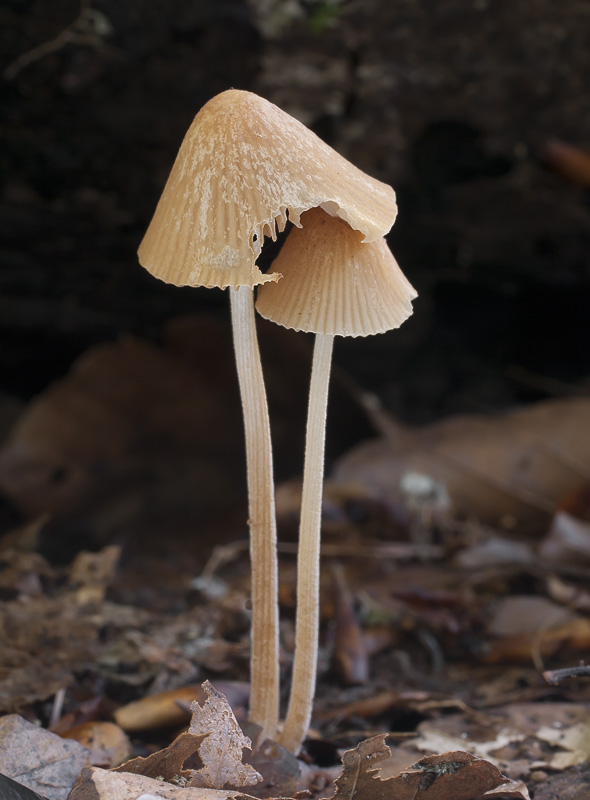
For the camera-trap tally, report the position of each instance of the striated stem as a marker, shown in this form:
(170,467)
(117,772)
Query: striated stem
(308,558)
(264,660)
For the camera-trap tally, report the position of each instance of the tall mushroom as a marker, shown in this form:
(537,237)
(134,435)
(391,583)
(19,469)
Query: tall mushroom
(332,285)
(243,168)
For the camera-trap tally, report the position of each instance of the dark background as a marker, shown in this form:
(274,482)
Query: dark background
(452,103)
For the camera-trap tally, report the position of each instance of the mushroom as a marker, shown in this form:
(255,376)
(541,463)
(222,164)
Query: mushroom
(243,168)
(333,285)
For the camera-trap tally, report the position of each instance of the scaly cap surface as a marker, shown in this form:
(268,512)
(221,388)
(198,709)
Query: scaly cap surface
(244,163)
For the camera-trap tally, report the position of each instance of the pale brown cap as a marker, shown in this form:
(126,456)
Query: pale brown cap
(242,166)
(333,283)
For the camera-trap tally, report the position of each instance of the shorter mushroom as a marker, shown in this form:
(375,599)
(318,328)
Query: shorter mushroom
(333,284)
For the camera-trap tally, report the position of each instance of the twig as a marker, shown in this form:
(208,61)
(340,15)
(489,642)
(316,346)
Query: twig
(545,384)
(89,28)
(555,676)
(402,551)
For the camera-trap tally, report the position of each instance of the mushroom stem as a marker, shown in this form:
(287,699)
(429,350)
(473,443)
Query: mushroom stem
(308,559)
(264,659)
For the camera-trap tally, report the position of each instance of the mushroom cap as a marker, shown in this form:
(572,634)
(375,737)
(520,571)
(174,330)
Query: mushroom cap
(335,284)
(242,166)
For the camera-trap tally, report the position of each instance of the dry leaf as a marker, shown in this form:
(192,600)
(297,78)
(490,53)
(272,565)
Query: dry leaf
(38,759)
(169,764)
(97,446)
(100,784)
(513,790)
(65,625)
(495,551)
(172,707)
(574,742)
(83,712)
(461,732)
(568,594)
(107,743)
(21,574)
(140,439)
(567,541)
(508,470)
(359,777)
(514,736)
(24,537)
(571,637)
(571,162)
(157,711)
(350,651)
(450,776)
(372,706)
(92,573)
(94,570)
(214,739)
(223,748)
(527,614)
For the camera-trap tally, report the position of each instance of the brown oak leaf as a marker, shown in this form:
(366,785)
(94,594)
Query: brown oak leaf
(449,776)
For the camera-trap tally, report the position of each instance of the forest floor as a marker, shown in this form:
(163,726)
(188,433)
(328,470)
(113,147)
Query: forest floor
(456,555)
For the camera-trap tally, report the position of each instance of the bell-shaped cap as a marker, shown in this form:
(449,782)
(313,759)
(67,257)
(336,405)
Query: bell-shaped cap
(335,284)
(243,165)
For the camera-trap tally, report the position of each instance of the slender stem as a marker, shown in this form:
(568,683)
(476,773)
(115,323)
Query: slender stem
(308,558)
(264,660)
